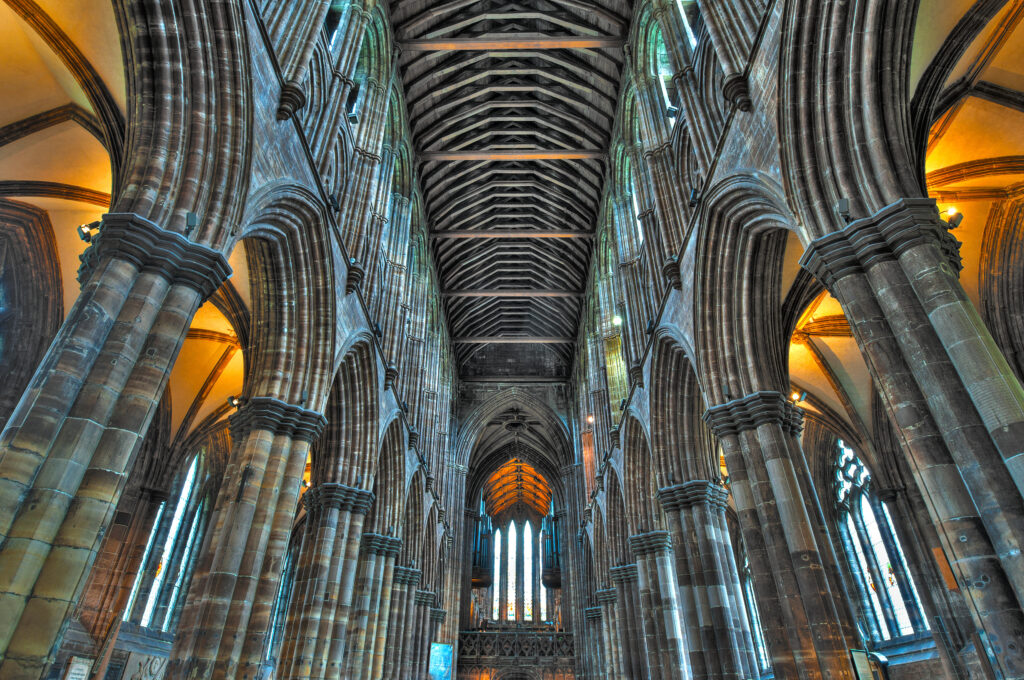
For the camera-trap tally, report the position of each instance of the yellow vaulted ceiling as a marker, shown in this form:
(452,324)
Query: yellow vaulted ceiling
(517,486)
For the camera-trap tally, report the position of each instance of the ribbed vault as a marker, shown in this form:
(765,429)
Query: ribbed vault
(511,106)
(516,488)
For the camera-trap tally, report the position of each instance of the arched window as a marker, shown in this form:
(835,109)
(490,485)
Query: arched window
(279,611)
(496,605)
(543,595)
(510,610)
(635,198)
(333,20)
(754,616)
(888,594)
(517,587)
(688,10)
(170,555)
(664,76)
(527,572)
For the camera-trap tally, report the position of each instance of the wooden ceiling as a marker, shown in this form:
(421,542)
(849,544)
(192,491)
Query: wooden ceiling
(511,106)
(517,490)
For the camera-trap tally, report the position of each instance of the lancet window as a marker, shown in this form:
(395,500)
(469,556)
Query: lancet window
(518,595)
(889,598)
(170,554)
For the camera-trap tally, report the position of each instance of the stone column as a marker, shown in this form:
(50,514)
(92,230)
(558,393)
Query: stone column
(703,133)
(420,648)
(957,407)
(732,25)
(718,631)
(294,29)
(67,448)
(758,434)
(382,626)
(421,600)
(435,619)
(110,581)
(607,599)
(403,604)
(245,555)
(658,586)
(635,652)
(594,655)
(330,511)
(377,552)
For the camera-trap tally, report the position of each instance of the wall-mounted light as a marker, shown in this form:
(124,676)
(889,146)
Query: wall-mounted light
(955,220)
(87,231)
(951,211)
(590,419)
(234,401)
(616,320)
(797,397)
(843,209)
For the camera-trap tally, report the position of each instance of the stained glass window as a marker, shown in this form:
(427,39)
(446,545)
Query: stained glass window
(874,550)
(172,537)
(496,604)
(510,607)
(528,572)
(636,214)
(684,6)
(872,587)
(543,591)
(899,609)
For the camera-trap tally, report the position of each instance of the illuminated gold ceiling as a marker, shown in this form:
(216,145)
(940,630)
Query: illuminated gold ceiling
(516,487)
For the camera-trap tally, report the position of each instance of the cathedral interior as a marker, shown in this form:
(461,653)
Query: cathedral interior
(511,339)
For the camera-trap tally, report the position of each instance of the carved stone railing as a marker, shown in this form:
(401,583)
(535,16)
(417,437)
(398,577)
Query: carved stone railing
(510,647)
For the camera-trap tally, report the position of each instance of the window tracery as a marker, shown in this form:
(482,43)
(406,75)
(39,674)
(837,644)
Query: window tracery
(874,552)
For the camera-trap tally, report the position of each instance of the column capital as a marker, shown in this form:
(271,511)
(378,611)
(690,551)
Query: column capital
(438,615)
(624,573)
(338,497)
(379,544)
(688,494)
(606,595)
(649,542)
(592,613)
(281,418)
(426,598)
(407,576)
(752,411)
(880,237)
(152,249)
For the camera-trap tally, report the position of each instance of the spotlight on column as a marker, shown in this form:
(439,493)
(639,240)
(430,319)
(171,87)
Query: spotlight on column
(955,220)
(616,320)
(87,231)
(234,401)
(797,397)
(590,419)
